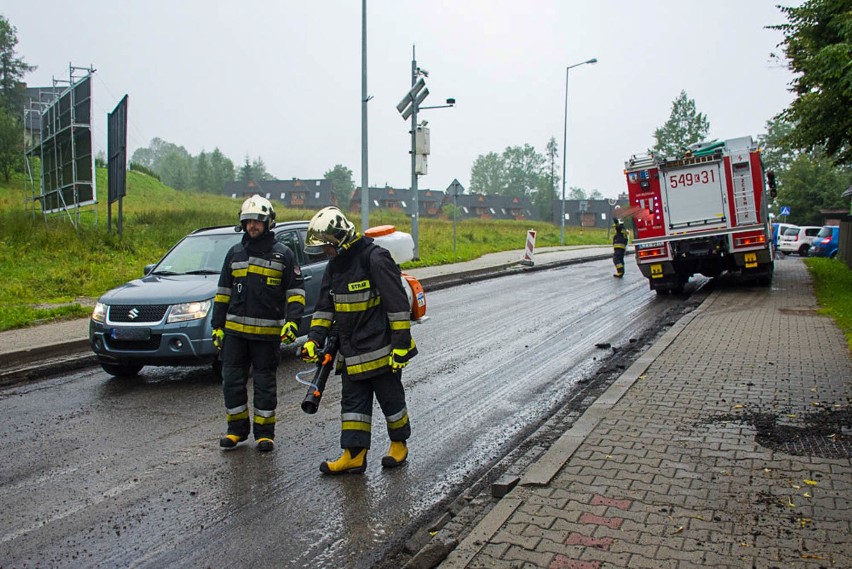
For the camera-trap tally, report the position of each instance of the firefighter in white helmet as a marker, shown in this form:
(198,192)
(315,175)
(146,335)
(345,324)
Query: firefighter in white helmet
(362,296)
(258,305)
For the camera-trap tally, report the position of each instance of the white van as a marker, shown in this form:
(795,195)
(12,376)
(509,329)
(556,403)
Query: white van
(797,239)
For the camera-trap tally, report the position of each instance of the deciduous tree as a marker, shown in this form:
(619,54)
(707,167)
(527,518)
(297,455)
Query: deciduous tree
(524,170)
(221,169)
(12,69)
(811,183)
(808,181)
(487,175)
(818,46)
(341,178)
(11,143)
(202,175)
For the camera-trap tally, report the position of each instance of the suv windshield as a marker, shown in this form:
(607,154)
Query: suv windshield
(198,254)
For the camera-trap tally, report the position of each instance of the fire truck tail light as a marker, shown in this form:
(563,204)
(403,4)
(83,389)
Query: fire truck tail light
(750,240)
(652,253)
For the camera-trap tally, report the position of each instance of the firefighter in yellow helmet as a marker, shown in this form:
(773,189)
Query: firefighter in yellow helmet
(619,247)
(362,295)
(258,306)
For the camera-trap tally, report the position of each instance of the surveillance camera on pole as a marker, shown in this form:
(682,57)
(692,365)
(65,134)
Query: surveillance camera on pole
(408,108)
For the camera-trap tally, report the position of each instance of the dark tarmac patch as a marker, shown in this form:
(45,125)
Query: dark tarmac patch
(824,433)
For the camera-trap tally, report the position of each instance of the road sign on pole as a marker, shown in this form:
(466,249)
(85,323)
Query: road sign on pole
(454,189)
(785,210)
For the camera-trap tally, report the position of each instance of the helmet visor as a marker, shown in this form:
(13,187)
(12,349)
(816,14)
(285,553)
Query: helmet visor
(254,215)
(315,241)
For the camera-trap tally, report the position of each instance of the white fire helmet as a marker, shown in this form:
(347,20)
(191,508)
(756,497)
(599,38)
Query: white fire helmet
(328,227)
(259,208)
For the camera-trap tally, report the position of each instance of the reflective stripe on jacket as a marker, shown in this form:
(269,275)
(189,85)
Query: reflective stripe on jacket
(362,294)
(260,289)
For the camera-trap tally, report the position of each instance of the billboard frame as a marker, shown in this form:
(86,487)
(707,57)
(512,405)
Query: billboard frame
(65,148)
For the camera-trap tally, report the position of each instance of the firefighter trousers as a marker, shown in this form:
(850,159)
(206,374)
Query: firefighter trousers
(618,260)
(239,355)
(356,409)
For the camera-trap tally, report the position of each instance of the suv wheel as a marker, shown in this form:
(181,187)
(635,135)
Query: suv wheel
(121,371)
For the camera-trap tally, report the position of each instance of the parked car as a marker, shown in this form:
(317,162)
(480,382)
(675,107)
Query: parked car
(797,239)
(164,318)
(778,229)
(826,242)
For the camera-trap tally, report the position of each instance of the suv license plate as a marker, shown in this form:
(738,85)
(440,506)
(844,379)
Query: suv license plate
(138,334)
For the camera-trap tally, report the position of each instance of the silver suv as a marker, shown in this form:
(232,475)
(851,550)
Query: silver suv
(797,239)
(163,319)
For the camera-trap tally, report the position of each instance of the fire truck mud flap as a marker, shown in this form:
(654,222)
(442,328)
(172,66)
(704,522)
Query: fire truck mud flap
(663,277)
(756,265)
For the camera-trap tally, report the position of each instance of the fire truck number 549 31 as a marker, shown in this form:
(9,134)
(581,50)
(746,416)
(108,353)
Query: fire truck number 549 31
(690,178)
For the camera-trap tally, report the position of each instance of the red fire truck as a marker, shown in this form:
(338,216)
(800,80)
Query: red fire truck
(703,212)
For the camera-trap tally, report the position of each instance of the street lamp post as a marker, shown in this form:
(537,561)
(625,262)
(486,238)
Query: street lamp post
(564,145)
(365,184)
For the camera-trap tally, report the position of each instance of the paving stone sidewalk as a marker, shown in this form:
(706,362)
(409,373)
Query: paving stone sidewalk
(730,448)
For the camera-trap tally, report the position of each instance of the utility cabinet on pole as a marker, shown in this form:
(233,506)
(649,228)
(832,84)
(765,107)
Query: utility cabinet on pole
(421,149)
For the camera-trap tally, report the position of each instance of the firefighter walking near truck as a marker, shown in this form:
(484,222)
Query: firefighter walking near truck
(363,296)
(619,247)
(258,306)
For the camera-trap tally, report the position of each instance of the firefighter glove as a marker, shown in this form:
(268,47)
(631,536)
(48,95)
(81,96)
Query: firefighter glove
(288,333)
(218,337)
(398,359)
(310,352)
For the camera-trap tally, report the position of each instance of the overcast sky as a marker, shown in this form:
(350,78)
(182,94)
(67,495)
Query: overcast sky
(281,79)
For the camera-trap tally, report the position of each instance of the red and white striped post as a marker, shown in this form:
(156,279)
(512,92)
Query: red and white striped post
(530,249)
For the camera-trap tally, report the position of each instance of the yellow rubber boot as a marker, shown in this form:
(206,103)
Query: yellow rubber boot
(346,463)
(397,454)
(230,440)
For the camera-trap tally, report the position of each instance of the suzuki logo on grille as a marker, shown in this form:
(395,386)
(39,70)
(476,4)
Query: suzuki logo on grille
(133,314)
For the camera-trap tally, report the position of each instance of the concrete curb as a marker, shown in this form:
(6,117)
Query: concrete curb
(49,351)
(513,268)
(542,471)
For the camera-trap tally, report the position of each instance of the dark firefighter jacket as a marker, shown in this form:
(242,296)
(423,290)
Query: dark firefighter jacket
(619,240)
(260,288)
(362,294)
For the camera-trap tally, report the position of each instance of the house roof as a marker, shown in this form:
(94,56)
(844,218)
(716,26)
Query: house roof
(316,193)
(377,196)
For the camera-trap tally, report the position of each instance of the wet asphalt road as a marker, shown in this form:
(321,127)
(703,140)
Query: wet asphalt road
(106,472)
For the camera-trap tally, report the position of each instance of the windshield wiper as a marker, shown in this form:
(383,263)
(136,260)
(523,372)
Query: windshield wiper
(165,273)
(202,272)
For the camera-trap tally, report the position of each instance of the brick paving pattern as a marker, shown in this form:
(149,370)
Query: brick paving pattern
(728,451)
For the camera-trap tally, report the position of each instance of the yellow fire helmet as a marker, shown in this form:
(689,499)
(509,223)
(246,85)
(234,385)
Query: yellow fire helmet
(328,227)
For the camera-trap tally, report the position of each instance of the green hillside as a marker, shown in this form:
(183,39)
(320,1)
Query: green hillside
(53,270)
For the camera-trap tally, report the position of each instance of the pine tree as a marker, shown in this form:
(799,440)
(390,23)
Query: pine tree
(685,126)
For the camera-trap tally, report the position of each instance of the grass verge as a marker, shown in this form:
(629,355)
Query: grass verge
(833,288)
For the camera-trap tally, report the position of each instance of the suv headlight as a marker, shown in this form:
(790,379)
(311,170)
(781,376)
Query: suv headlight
(99,313)
(189,311)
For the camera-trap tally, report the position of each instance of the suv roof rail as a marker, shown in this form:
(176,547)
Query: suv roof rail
(200,229)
